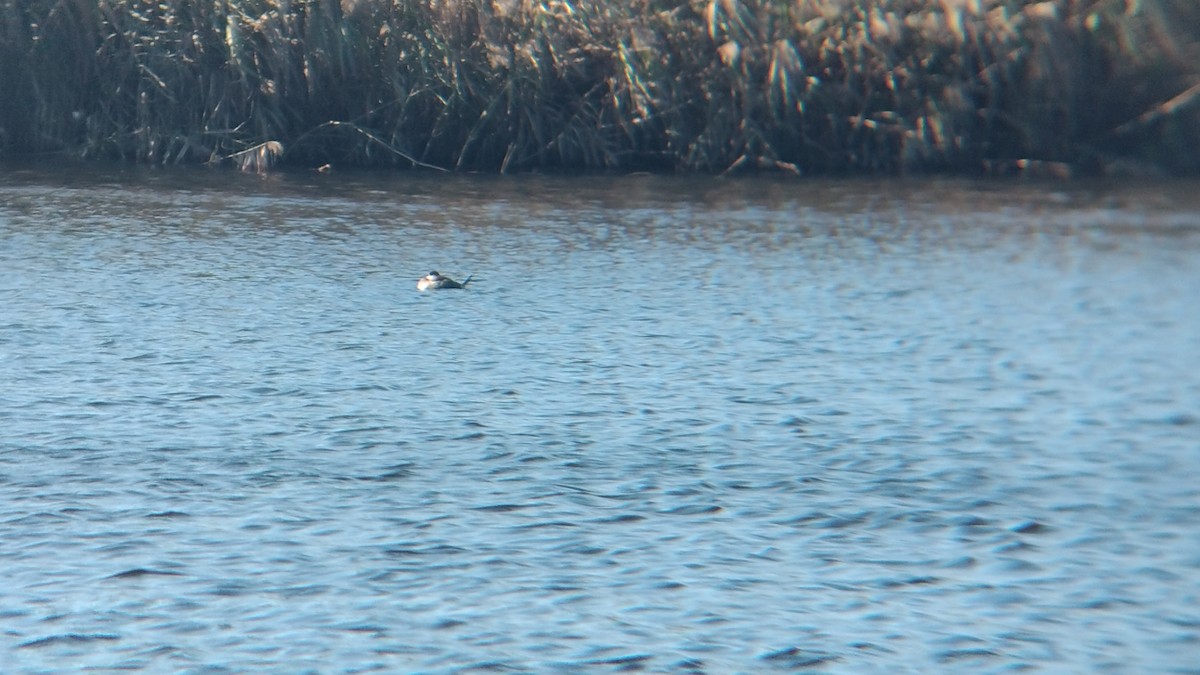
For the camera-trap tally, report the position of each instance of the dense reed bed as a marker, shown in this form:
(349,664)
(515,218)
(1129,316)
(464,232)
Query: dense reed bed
(808,86)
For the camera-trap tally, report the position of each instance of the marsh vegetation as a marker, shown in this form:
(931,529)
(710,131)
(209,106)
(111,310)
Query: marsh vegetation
(806,86)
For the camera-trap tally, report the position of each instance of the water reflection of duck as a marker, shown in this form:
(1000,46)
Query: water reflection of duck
(434,280)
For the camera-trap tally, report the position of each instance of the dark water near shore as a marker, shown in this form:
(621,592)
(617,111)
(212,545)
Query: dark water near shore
(671,426)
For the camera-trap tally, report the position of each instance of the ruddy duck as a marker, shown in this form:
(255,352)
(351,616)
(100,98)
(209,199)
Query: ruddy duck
(433,280)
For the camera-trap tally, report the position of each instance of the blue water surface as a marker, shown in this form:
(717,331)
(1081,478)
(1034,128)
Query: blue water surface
(671,425)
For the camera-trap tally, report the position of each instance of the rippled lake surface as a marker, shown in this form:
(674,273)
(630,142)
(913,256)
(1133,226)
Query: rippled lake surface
(693,426)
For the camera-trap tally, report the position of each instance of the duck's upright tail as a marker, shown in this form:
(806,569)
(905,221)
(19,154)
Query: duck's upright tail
(467,280)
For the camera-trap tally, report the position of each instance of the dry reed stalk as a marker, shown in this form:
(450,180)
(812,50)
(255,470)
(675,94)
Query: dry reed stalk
(257,159)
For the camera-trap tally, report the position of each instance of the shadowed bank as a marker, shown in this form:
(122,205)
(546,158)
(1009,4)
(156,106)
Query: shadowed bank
(810,86)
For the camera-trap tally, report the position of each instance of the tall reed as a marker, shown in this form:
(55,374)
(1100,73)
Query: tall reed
(802,86)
